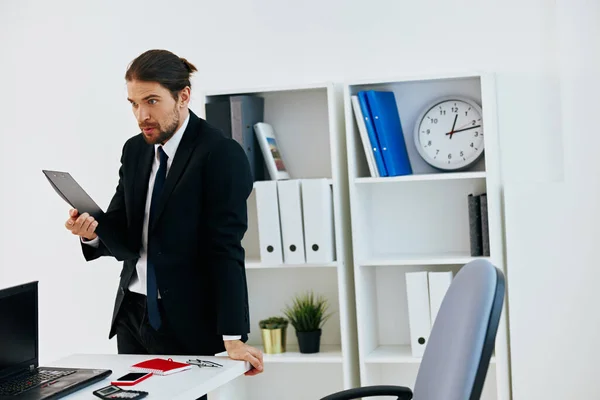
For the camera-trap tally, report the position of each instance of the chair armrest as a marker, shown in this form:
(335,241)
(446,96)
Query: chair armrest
(402,392)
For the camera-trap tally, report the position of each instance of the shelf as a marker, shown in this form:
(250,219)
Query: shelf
(421,220)
(329,180)
(423,177)
(305,120)
(263,90)
(256,264)
(421,259)
(416,222)
(329,354)
(396,354)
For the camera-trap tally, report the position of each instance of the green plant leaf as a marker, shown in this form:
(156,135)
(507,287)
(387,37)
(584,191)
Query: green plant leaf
(273,323)
(307,312)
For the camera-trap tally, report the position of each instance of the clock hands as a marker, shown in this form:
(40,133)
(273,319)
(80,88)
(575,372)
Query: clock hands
(453,125)
(460,130)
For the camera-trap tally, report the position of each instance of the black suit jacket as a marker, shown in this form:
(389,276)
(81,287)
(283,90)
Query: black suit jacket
(196,235)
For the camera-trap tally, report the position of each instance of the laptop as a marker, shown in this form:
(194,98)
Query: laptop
(21,378)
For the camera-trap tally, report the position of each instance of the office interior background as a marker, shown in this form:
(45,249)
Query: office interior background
(63,106)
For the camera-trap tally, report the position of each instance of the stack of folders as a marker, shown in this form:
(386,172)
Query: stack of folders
(295,221)
(424,294)
(378,121)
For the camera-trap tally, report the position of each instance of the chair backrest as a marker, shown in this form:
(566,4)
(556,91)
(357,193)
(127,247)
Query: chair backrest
(461,342)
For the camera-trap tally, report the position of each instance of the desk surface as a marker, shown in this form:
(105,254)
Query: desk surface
(185,385)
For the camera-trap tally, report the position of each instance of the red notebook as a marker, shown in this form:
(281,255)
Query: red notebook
(160,366)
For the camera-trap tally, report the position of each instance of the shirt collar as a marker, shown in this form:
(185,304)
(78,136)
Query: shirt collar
(171,146)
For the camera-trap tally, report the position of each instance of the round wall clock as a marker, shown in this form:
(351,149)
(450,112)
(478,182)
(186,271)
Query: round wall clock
(449,133)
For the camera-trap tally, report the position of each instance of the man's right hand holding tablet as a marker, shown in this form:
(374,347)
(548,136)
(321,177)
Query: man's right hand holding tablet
(83,225)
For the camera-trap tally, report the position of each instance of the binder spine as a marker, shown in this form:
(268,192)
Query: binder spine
(476,244)
(485,231)
(236,123)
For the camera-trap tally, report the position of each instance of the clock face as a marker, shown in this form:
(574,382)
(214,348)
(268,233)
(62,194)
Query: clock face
(449,135)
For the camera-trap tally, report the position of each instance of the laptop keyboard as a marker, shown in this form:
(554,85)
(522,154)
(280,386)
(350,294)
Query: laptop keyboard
(22,383)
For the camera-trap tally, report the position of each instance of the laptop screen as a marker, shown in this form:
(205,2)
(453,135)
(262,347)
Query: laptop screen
(18,327)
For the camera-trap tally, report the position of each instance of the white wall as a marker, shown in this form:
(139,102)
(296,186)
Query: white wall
(553,233)
(62,106)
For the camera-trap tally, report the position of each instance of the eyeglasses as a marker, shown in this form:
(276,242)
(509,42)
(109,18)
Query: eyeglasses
(204,363)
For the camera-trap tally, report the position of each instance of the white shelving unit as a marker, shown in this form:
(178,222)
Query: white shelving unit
(417,223)
(308,125)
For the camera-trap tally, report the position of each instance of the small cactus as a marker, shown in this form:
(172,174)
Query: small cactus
(273,323)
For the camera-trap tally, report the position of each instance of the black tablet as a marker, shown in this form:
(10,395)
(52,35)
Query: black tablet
(71,192)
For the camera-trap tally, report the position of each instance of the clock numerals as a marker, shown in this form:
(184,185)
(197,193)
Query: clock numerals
(455,127)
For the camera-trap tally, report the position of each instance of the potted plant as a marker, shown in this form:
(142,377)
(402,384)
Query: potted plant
(307,315)
(274,330)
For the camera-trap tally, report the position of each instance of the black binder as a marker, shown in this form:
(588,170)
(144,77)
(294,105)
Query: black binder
(236,116)
(475,234)
(71,192)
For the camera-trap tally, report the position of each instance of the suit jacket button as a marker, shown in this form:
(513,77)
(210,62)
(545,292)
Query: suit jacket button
(122,289)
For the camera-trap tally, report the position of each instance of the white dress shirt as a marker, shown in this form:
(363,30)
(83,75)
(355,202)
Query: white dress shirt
(138,283)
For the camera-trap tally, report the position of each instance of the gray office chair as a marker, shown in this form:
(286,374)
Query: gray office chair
(461,342)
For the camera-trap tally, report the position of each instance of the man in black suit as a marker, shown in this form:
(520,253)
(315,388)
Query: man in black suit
(178,215)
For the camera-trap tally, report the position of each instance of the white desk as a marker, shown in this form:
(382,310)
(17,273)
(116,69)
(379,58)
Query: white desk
(184,385)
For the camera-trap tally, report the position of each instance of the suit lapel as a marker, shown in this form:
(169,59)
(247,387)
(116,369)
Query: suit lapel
(140,186)
(182,156)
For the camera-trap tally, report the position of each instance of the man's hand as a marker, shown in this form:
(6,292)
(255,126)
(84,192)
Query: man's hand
(82,225)
(238,350)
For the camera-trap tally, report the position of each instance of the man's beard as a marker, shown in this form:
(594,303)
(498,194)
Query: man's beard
(163,134)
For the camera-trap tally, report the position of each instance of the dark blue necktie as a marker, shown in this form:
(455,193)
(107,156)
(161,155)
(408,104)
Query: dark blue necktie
(151,286)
